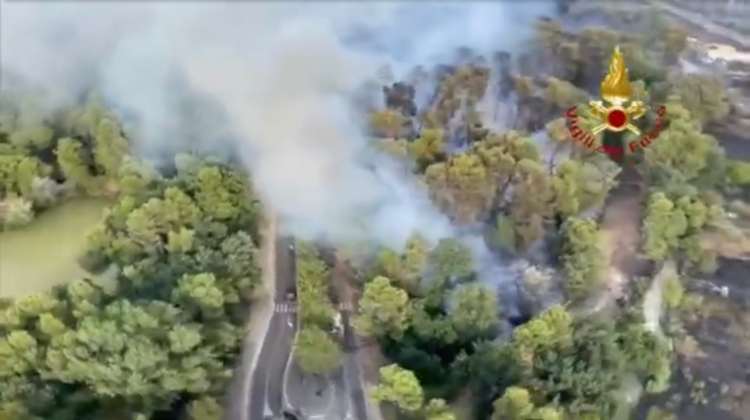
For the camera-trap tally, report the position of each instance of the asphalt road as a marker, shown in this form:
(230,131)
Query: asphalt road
(266,394)
(351,369)
(267,398)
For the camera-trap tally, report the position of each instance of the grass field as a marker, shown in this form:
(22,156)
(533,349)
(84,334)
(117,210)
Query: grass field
(45,253)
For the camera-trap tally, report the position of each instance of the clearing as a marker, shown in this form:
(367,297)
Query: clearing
(45,253)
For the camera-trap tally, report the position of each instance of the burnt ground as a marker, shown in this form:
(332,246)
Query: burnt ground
(714,350)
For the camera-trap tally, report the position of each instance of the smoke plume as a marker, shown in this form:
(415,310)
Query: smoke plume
(270,84)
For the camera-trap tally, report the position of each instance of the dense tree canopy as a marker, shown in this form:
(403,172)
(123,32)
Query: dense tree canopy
(583,259)
(183,247)
(312,285)
(316,352)
(451,260)
(183,250)
(400,387)
(682,153)
(673,228)
(384,309)
(476,311)
(704,96)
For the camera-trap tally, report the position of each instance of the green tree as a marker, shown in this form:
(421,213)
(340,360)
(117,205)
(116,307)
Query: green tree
(312,286)
(400,387)
(167,326)
(451,260)
(150,224)
(122,352)
(475,313)
(205,408)
(110,147)
(414,262)
(562,94)
(200,291)
(656,413)
(461,186)
(428,147)
(739,173)
(565,185)
(17,174)
(388,123)
(673,292)
(241,256)
(384,310)
(73,164)
(184,338)
(662,226)
(581,185)
(316,352)
(432,328)
(180,241)
(552,328)
(549,413)
(406,269)
(499,155)
(583,260)
(674,228)
(220,194)
(504,234)
(681,153)
(50,325)
(531,202)
(136,178)
(704,96)
(515,404)
(437,409)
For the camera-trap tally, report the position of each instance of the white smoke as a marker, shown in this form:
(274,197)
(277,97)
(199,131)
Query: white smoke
(271,84)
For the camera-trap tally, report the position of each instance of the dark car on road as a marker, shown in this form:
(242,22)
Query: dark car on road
(288,415)
(291,294)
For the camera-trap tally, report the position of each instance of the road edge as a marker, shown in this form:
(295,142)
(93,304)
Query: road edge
(260,315)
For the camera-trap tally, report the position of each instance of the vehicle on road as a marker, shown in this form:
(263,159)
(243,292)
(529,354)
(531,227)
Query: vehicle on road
(337,327)
(291,294)
(289,415)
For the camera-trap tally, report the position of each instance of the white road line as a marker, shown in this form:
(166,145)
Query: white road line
(269,280)
(285,377)
(285,308)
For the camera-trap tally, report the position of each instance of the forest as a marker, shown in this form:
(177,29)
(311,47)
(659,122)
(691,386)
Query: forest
(160,339)
(446,333)
(556,339)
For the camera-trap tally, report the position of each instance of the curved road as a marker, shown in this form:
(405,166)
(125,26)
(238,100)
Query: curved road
(270,397)
(266,393)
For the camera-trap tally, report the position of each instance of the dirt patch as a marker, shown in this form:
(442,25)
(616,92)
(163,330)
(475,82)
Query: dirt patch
(712,376)
(620,239)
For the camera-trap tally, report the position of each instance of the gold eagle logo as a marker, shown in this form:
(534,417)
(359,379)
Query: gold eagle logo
(616,90)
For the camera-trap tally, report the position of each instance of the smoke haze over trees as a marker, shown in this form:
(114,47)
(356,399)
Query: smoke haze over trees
(270,84)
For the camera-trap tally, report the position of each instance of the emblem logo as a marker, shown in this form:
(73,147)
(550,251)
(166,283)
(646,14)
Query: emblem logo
(616,112)
(616,91)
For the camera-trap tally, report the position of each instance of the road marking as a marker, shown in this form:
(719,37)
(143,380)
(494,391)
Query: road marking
(269,279)
(285,308)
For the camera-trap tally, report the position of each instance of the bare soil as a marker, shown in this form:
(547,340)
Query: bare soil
(620,239)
